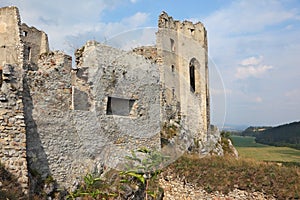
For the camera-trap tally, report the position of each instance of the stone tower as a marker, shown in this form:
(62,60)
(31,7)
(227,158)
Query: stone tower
(182,57)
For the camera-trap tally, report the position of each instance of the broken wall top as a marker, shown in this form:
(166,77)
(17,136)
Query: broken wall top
(195,31)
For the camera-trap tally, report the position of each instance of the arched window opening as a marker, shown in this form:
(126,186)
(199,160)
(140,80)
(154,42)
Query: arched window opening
(192,77)
(172,68)
(194,67)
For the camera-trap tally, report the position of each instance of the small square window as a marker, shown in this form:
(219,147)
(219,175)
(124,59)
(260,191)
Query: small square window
(119,106)
(192,31)
(24,33)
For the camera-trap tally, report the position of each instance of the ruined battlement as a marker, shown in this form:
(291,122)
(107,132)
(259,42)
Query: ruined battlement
(195,31)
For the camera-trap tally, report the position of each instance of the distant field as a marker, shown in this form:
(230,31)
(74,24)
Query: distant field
(248,148)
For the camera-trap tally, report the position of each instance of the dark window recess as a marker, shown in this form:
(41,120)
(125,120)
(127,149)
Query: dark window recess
(1,77)
(192,31)
(27,54)
(25,33)
(192,77)
(173,68)
(119,106)
(173,92)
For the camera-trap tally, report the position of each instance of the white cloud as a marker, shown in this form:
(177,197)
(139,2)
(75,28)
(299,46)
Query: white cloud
(250,16)
(248,71)
(136,20)
(293,93)
(252,67)
(258,100)
(252,60)
(70,23)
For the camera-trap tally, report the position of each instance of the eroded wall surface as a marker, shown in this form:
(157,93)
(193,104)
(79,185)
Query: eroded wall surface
(114,80)
(93,116)
(12,125)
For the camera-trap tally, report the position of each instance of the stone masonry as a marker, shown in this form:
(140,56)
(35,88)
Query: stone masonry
(65,122)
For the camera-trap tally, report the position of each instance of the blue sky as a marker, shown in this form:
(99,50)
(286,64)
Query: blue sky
(253,45)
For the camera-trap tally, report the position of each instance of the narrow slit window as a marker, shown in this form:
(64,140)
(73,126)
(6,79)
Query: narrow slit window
(119,106)
(172,68)
(172,44)
(27,54)
(192,77)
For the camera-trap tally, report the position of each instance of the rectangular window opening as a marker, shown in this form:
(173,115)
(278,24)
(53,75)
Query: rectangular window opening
(27,54)
(192,31)
(119,106)
(24,33)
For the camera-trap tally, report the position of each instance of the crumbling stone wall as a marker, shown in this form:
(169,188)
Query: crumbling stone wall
(69,129)
(67,122)
(12,125)
(148,52)
(35,43)
(47,100)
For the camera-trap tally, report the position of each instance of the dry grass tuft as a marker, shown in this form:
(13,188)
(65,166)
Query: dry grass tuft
(225,174)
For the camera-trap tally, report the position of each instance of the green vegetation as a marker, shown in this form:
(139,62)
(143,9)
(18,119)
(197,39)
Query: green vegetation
(92,187)
(254,131)
(248,148)
(225,174)
(245,141)
(140,179)
(284,135)
(222,174)
(287,135)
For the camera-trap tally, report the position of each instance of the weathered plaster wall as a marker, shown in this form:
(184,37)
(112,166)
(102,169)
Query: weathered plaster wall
(107,72)
(69,132)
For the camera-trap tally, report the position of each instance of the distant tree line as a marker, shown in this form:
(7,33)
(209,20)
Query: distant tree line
(284,135)
(254,131)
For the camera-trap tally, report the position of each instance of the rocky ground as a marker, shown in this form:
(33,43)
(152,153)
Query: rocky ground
(179,190)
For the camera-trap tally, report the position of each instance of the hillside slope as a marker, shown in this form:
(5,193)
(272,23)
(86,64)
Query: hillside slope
(284,135)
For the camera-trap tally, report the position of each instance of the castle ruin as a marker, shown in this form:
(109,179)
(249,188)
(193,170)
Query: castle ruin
(66,122)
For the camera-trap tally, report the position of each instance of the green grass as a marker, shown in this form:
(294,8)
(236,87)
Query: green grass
(248,148)
(245,141)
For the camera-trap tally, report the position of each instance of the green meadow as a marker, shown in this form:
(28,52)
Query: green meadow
(248,148)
